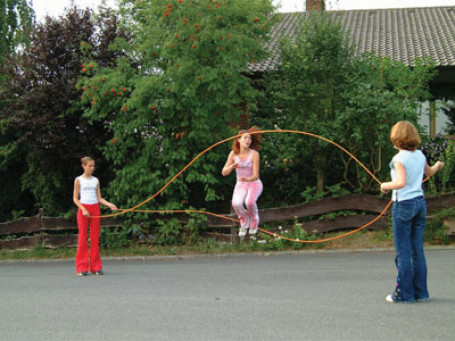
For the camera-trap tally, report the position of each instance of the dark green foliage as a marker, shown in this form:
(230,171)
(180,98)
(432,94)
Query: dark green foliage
(15,25)
(43,115)
(323,88)
(146,104)
(181,87)
(441,148)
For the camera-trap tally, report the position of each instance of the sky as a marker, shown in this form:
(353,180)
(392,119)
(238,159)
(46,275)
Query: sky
(56,7)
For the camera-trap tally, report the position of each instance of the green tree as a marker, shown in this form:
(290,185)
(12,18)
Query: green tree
(306,93)
(42,108)
(182,86)
(15,25)
(382,92)
(323,87)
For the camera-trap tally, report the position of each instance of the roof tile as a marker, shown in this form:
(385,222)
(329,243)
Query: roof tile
(404,34)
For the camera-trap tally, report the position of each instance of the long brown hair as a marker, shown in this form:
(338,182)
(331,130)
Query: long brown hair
(255,139)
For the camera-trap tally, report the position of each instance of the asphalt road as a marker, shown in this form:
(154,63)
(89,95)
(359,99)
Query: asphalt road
(299,296)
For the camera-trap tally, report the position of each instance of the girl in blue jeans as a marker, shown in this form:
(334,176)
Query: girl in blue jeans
(408,213)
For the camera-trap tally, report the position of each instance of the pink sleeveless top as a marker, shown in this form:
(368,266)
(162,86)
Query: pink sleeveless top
(245,168)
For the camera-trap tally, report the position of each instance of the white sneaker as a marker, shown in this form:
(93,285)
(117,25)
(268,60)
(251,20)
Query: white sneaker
(242,232)
(253,231)
(389,299)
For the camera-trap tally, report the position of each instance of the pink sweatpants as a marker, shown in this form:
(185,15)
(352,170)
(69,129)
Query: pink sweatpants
(82,254)
(244,203)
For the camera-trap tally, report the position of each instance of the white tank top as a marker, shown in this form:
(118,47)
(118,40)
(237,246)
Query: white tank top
(87,190)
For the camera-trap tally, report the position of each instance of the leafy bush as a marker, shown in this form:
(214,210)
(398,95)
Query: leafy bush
(436,229)
(115,239)
(441,148)
(323,87)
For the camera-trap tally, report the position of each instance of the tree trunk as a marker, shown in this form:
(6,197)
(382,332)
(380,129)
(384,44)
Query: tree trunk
(320,180)
(320,163)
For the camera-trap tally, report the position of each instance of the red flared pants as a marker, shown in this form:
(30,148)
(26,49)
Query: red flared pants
(82,254)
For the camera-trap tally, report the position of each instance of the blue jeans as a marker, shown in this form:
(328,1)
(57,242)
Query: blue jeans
(408,218)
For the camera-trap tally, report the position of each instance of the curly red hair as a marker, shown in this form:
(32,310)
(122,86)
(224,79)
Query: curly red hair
(255,139)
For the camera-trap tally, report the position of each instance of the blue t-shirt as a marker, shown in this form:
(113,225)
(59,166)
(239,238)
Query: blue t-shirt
(414,165)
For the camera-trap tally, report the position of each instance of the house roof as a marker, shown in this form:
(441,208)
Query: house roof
(404,34)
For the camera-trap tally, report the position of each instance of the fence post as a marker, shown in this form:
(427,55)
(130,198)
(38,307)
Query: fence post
(233,228)
(40,218)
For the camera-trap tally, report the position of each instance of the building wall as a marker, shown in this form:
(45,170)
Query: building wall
(442,121)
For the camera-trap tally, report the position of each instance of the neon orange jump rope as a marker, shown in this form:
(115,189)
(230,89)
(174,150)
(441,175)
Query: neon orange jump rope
(135,208)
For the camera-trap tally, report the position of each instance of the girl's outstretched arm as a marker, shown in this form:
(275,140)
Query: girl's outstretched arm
(430,171)
(104,201)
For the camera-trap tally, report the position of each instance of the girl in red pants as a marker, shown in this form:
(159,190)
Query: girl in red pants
(87,197)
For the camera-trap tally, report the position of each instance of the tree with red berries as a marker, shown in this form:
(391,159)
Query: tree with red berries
(182,86)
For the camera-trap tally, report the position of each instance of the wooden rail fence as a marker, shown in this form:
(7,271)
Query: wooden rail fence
(29,232)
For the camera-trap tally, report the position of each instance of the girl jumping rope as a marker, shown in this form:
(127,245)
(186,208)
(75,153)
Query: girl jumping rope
(408,213)
(87,197)
(244,158)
